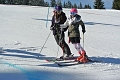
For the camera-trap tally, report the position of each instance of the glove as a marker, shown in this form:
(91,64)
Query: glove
(83,31)
(51,28)
(56,24)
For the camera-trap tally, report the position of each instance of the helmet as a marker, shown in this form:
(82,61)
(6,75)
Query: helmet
(73,10)
(58,8)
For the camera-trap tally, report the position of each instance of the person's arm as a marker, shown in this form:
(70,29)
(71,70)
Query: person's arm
(63,18)
(52,23)
(83,26)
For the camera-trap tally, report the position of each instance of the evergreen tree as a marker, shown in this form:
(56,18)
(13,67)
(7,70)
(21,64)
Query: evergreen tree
(59,3)
(30,2)
(36,2)
(116,4)
(41,2)
(80,6)
(2,1)
(98,4)
(64,4)
(53,3)
(20,2)
(25,2)
(46,4)
(87,7)
(69,4)
(9,1)
(75,6)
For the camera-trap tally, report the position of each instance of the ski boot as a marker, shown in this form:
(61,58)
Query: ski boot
(83,57)
(67,57)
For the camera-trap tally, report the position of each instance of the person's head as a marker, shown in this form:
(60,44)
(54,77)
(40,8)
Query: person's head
(73,11)
(58,9)
(54,10)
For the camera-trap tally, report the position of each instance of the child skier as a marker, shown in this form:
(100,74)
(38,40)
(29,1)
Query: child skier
(73,22)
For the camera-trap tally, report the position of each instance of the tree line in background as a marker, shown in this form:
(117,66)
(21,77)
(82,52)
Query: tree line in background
(98,4)
(116,4)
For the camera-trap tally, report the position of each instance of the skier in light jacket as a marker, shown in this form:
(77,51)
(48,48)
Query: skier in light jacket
(73,22)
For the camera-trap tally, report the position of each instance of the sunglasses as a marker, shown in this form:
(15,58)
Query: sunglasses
(72,13)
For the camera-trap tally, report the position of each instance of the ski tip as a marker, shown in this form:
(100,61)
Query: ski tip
(47,60)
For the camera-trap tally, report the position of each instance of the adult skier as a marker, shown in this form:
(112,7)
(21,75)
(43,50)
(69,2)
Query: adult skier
(59,18)
(73,21)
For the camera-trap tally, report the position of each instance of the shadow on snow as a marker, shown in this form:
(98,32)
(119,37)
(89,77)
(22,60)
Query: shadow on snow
(32,54)
(94,23)
(42,19)
(22,54)
(107,60)
(99,59)
(87,23)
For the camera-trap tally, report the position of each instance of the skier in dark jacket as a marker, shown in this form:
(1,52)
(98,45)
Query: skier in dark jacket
(59,18)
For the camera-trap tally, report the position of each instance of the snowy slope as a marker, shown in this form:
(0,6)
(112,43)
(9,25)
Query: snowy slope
(23,32)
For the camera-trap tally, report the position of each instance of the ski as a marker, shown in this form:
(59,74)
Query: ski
(71,63)
(59,64)
(58,59)
(53,60)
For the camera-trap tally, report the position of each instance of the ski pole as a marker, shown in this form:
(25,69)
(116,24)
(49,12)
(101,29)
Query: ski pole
(49,33)
(57,51)
(44,43)
(47,17)
(61,42)
(83,40)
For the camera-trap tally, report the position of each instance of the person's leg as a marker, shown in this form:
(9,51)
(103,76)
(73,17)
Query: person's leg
(56,39)
(83,57)
(81,51)
(79,48)
(65,48)
(76,42)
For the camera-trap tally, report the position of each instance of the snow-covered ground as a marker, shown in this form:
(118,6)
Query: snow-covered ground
(23,32)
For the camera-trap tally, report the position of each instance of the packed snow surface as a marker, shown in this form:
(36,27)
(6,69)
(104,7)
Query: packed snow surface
(24,30)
